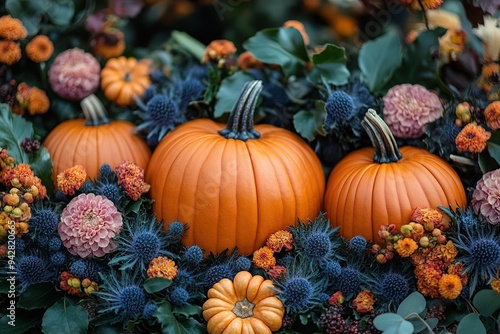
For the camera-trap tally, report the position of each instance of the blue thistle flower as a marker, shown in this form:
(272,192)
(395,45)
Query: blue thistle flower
(179,296)
(196,71)
(109,190)
(348,282)
(191,90)
(362,97)
(193,256)
(286,260)
(339,107)
(479,252)
(42,240)
(332,270)
(105,171)
(357,244)
(32,269)
(242,264)
(58,258)
(317,245)
(43,221)
(87,187)
(157,77)
(447,133)
(324,298)
(217,272)
(175,230)
(86,268)
(125,299)
(55,244)
(393,287)
(162,109)
(20,245)
(149,310)
(142,241)
(184,278)
(297,294)
(149,93)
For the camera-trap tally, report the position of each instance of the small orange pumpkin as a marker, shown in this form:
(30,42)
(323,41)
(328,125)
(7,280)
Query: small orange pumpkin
(123,79)
(234,185)
(381,185)
(93,141)
(245,305)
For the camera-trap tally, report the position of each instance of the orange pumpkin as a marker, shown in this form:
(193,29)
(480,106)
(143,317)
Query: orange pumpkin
(236,185)
(123,79)
(245,305)
(382,184)
(93,141)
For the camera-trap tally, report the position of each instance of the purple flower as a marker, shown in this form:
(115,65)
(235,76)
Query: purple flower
(486,197)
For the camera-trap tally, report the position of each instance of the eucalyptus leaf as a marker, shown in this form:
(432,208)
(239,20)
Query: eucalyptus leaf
(64,318)
(391,323)
(61,12)
(380,58)
(188,43)
(24,320)
(471,323)
(329,65)
(41,295)
(156,284)
(228,92)
(282,46)
(414,303)
(486,302)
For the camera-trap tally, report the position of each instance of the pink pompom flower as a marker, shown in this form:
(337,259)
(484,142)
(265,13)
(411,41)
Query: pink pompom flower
(74,74)
(486,196)
(408,108)
(89,224)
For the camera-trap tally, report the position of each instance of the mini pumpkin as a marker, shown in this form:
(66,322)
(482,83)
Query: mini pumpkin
(95,140)
(381,185)
(245,305)
(236,184)
(123,79)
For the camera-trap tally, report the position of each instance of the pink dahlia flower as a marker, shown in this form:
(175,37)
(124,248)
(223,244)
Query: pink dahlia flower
(408,108)
(88,225)
(486,197)
(74,74)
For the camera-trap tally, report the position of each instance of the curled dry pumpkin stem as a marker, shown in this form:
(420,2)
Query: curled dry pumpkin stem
(243,308)
(240,122)
(384,144)
(94,111)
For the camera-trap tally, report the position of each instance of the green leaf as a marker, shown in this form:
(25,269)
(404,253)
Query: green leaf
(28,12)
(171,325)
(188,43)
(109,329)
(471,323)
(4,286)
(493,145)
(13,130)
(64,318)
(41,295)
(414,303)
(391,323)
(61,12)
(23,321)
(156,284)
(486,302)
(329,65)
(498,322)
(380,58)
(309,123)
(282,46)
(188,310)
(228,92)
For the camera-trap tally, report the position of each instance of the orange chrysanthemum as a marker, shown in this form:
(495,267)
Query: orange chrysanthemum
(71,179)
(472,138)
(218,49)
(162,267)
(429,218)
(428,277)
(38,102)
(449,252)
(108,43)
(280,239)
(39,49)
(459,270)
(406,246)
(131,177)
(300,27)
(12,28)
(492,115)
(450,286)
(495,285)
(10,52)
(427,4)
(363,302)
(246,60)
(264,258)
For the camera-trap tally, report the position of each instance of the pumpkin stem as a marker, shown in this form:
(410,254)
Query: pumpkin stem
(384,144)
(243,308)
(240,122)
(94,111)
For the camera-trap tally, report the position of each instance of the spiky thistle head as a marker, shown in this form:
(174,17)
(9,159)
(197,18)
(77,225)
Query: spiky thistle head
(44,219)
(32,269)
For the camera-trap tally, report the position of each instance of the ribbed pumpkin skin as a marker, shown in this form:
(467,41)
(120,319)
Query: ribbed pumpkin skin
(72,142)
(361,195)
(233,192)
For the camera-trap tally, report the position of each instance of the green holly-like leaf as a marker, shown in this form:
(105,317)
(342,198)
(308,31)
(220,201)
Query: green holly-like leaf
(22,322)
(329,65)
(379,58)
(487,302)
(282,46)
(64,318)
(309,123)
(471,323)
(156,284)
(170,324)
(228,92)
(13,130)
(41,295)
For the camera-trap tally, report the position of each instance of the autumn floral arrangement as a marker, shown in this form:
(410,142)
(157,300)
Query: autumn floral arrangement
(84,253)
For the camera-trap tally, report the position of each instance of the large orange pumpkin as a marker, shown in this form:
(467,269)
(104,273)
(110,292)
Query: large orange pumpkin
(234,185)
(93,141)
(245,305)
(383,184)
